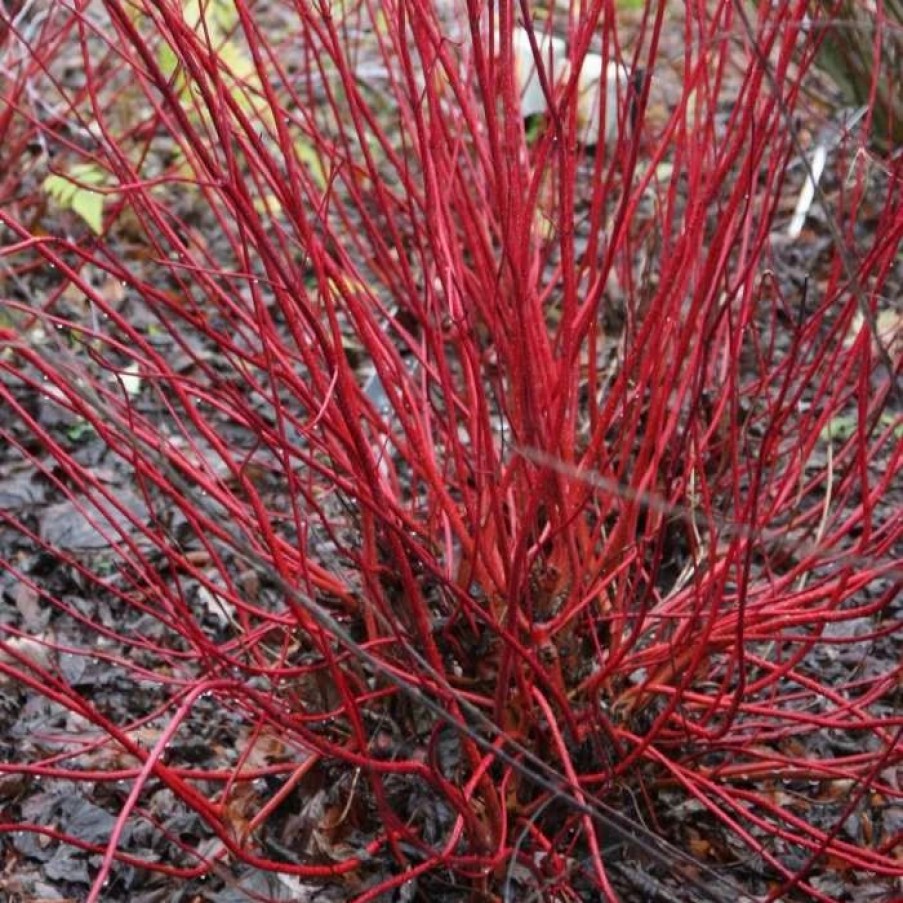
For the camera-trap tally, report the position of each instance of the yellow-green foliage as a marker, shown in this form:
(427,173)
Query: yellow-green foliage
(76,190)
(216,21)
(82,187)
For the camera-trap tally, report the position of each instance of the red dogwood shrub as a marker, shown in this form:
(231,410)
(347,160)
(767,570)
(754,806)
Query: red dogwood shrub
(402,494)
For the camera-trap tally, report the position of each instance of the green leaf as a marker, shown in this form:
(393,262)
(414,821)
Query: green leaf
(72,191)
(311,159)
(840,427)
(890,419)
(79,431)
(89,206)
